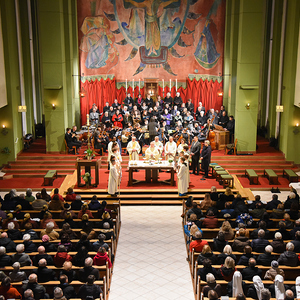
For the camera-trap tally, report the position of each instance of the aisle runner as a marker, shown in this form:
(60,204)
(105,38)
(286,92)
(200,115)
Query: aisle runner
(151,256)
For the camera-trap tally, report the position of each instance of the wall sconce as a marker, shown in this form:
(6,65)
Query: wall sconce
(279,108)
(247,106)
(53,106)
(296,129)
(4,130)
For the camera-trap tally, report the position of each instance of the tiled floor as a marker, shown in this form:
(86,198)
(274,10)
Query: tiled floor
(151,256)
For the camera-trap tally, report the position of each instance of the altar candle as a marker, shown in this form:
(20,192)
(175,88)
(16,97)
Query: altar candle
(139,85)
(176,84)
(170,84)
(126,85)
(133,85)
(163,84)
(88,120)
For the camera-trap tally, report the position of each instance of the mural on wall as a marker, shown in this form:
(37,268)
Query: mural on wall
(151,38)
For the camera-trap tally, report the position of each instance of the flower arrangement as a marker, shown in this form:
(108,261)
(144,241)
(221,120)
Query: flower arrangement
(87,178)
(90,153)
(170,160)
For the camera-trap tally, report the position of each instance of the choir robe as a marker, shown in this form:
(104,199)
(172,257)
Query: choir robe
(182,179)
(133,155)
(170,147)
(113,180)
(150,151)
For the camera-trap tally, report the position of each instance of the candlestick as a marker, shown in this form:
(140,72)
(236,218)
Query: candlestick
(133,86)
(170,84)
(87,119)
(139,85)
(176,84)
(163,84)
(126,85)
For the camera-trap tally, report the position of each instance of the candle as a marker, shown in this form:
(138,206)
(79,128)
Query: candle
(87,120)
(163,84)
(176,84)
(170,84)
(139,85)
(126,85)
(133,85)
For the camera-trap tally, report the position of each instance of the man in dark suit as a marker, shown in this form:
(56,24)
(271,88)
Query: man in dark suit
(195,153)
(152,127)
(43,273)
(70,142)
(87,270)
(205,158)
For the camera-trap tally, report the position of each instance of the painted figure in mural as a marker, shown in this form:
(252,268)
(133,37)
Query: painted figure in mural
(152,30)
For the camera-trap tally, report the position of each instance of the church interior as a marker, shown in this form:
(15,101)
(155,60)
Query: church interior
(97,94)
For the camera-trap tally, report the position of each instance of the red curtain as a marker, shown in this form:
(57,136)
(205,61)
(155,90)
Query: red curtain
(101,91)
(205,92)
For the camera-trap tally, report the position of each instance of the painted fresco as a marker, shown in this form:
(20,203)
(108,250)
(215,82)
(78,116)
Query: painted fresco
(165,39)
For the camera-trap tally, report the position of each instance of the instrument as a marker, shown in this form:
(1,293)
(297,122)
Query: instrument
(211,135)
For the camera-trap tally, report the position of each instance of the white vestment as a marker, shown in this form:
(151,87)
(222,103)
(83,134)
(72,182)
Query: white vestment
(170,148)
(182,180)
(113,180)
(152,153)
(109,150)
(160,147)
(133,155)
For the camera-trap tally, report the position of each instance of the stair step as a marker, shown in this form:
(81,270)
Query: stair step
(36,175)
(46,166)
(28,171)
(45,157)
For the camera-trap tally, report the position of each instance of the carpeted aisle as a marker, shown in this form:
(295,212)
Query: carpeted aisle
(151,256)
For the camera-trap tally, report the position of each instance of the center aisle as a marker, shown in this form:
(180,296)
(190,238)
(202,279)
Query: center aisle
(151,256)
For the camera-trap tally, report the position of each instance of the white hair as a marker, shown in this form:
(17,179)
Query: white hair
(269,249)
(16,265)
(2,250)
(20,247)
(50,225)
(278,236)
(88,262)
(26,237)
(11,225)
(290,246)
(227,249)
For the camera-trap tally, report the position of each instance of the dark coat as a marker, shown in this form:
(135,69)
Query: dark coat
(206,156)
(278,246)
(288,258)
(44,274)
(222,257)
(249,272)
(204,271)
(244,259)
(29,247)
(239,243)
(86,271)
(219,245)
(68,290)
(265,259)
(258,245)
(38,290)
(8,244)
(272,204)
(213,258)
(5,261)
(14,234)
(89,290)
(296,246)
(36,258)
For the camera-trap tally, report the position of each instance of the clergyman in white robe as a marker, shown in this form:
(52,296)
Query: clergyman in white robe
(152,152)
(113,180)
(170,149)
(133,149)
(182,180)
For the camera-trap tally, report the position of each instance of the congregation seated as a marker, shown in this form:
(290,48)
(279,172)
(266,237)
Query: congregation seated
(206,269)
(259,244)
(266,258)
(220,242)
(211,285)
(289,257)
(273,271)
(207,253)
(278,244)
(90,289)
(43,273)
(227,269)
(251,270)
(5,260)
(241,241)
(21,256)
(227,252)
(244,259)
(42,255)
(16,274)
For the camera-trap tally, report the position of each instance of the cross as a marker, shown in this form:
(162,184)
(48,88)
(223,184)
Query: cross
(151,87)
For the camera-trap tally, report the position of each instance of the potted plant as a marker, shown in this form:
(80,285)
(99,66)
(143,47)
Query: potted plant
(90,154)
(87,178)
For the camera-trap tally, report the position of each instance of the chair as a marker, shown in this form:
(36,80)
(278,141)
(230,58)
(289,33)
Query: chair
(68,150)
(231,147)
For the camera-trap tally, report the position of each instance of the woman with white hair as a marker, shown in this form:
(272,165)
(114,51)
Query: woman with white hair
(289,257)
(266,258)
(17,275)
(211,285)
(278,244)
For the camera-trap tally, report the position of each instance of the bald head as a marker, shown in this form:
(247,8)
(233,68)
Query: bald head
(41,250)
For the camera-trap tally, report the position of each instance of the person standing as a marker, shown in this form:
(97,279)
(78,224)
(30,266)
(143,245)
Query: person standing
(153,128)
(133,149)
(113,178)
(195,154)
(182,178)
(205,158)
(170,149)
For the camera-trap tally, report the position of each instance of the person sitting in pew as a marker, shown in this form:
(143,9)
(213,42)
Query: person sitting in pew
(67,271)
(5,260)
(8,291)
(227,270)
(261,225)
(258,211)
(278,244)
(39,291)
(28,230)
(28,295)
(94,203)
(12,232)
(21,256)
(66,242)
(84,242)
(30,246)
(49,247)
(273,271)
(27,220)
(296,242)
(197,242)
(16,274)
(227,211)
(100,243)
(244,259)
(225,197)
(48,219)
(206,269)
(87,227)
(210,221)
(289,295)
(207,253)
(266,258)
(61,256)
(42,255)
(294,212)
(108,231)
(259,244)
(211,286)
(56,203)
(7,243)
(88,270)
(220,242)
(69,220)
(52,234)
(289,224)
(240,241)
(227,229)
(90,289)
(273,203)
(85,210)
(43,273)
(251,270)
(289,257)
(67,289)
(282,229)
(58,294)
(66,229)
(227,252)
(195,210)
(278,289)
